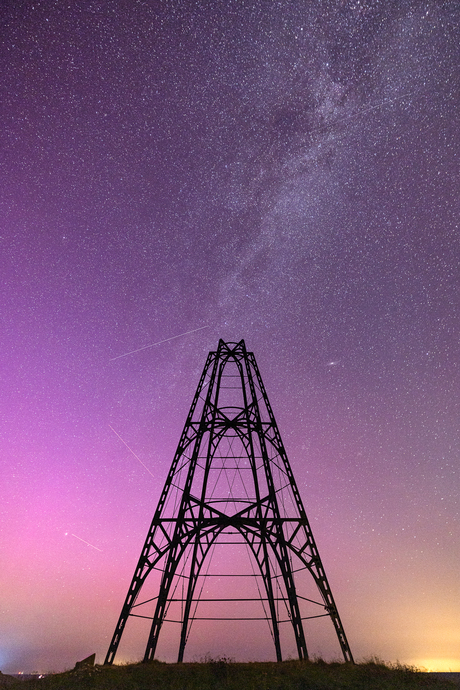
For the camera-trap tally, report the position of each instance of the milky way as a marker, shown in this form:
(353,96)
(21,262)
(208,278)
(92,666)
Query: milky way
(283,172)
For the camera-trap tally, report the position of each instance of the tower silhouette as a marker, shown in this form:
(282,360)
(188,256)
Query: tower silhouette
(230,491)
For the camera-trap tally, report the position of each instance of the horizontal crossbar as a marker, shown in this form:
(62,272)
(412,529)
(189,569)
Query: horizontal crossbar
(235,599)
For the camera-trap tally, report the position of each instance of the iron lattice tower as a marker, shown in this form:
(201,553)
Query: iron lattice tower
(230,483)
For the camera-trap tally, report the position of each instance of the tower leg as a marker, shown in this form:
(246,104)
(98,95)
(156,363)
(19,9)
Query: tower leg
(161,605)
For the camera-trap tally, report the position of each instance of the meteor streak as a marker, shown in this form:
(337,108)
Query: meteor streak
(158,343)
(130,449)
(86,542)
(376,106)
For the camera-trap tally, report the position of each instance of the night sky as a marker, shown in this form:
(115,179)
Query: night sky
(286,173)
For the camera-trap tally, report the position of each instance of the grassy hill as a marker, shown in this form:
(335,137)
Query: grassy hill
(222,674)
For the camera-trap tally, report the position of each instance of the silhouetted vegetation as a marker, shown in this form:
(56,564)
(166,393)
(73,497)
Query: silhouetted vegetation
(224,674)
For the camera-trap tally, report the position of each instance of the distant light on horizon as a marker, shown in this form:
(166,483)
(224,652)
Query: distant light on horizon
(441,665)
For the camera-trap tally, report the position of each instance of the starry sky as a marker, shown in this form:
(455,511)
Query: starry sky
(283,172)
